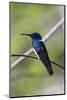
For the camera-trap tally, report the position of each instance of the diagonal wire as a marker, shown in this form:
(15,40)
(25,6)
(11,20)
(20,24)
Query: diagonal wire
(45,38)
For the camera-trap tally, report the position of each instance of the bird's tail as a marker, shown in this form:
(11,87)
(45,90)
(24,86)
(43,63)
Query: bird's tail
(48,66)
(50,71)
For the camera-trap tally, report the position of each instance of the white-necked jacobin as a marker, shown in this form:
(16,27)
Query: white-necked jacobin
(40,50)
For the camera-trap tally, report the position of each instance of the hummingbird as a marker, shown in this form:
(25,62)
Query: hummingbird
(40,50)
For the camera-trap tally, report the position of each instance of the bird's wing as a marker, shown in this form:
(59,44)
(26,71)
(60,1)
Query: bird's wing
(43,49)
(43,54)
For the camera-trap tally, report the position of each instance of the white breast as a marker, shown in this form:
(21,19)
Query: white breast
(36,53)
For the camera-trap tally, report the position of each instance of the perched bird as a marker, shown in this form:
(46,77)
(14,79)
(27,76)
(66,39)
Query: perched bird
(40,50)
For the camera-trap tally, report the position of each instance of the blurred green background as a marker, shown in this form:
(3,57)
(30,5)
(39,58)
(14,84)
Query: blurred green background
(30,77)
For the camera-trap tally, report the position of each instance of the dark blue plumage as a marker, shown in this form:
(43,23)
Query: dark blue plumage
(41,50)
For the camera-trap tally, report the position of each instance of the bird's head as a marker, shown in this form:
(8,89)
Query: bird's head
(34,36)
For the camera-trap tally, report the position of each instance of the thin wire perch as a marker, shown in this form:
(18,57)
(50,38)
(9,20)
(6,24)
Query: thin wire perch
(45,38)
(37,59)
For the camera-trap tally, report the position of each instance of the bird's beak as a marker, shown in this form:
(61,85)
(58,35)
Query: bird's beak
(27,35)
